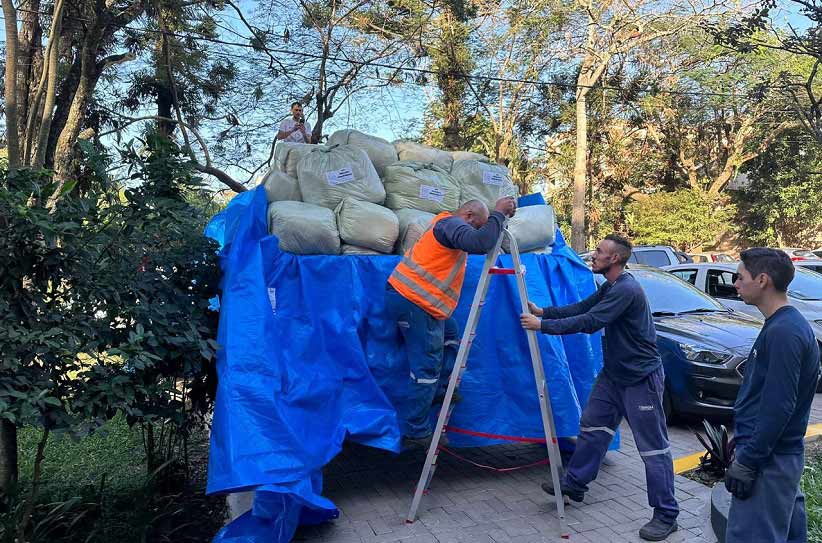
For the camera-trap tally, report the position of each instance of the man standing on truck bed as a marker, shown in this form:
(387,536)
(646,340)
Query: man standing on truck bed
(423,291)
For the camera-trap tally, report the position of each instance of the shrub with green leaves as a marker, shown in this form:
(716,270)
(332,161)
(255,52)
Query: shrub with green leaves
(104,291)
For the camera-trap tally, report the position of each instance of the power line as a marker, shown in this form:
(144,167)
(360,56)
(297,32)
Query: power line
(425,71)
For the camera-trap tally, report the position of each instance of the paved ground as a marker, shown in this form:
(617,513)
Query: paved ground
(466,504)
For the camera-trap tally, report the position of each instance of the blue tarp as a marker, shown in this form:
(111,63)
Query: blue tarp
(308,359)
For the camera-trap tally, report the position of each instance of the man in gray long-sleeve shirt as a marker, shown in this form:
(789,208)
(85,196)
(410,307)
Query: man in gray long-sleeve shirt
(630,385)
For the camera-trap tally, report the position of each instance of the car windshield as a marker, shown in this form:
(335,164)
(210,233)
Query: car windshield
(806,285)
(668,294)
(804,254)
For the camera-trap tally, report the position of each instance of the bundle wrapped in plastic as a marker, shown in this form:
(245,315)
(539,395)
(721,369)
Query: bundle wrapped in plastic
(279,186)
(380,151)
(468,155)
(484,181)
(354,250)
(533,227)
(328,175)
(420,185)
(304,229)
(411,150)
(367,225)
(413,224)
(287,155)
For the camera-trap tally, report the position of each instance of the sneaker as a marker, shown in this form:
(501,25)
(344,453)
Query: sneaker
(657,530)
(574,495)
(456,398)
(409,443)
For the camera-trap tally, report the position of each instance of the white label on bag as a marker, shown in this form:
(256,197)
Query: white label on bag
(338,177)
(427,192)
(493,178)
(272,297)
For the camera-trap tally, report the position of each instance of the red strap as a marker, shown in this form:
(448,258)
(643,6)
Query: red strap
(492,468)
(497,436)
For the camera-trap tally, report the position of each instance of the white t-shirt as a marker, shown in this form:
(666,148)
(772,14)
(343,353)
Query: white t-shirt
(296,136)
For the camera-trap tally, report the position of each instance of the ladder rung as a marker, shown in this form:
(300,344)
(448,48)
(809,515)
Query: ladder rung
(501,271)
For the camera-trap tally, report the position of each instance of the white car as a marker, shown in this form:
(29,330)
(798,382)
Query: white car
(717,280)
(811,264)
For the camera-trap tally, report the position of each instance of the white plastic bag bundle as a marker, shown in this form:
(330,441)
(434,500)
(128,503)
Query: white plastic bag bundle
(304,229)
(328,175)
(380,151)
(354,250)
(533,227)
(420,185)
(411,150)
(484,181)
(367,225)
(413,224)
(279,186)
(468,155)
(287,155)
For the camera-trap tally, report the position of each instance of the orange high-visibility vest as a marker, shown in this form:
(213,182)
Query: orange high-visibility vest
(430,274)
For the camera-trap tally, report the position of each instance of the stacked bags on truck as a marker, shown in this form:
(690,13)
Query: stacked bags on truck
(361,195)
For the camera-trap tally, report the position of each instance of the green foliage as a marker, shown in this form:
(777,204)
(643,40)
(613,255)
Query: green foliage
(811,485)
(684,218)
(103,301)
(96,490)
(781,205)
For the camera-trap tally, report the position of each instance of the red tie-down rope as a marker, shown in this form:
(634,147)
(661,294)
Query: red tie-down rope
(455,430)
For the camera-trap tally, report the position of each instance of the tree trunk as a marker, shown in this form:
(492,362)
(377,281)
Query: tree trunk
(580,173)
(64,150)
(8,456)
(29,57)
(10,92)
(64,97)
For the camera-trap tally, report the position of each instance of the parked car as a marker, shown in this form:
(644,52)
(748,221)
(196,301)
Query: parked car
(799,254)
(811,264)
(657,255)
(711,257)
(717,280)
(703,345)
(818,253)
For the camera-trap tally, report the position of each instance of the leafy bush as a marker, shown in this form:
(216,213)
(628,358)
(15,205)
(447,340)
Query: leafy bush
(104,293)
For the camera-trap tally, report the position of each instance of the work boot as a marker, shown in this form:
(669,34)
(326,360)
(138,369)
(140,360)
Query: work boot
(409,443)
(575,495)
(657,530)
(456,398)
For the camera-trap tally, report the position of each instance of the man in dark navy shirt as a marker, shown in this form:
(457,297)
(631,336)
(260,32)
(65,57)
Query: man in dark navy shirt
(772,409)
(630,385)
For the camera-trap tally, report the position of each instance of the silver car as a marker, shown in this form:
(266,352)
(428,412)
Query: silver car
(717,280)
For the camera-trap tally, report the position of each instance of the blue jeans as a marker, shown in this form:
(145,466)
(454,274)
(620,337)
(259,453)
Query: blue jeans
(431,347)
(775,512)
(641,404)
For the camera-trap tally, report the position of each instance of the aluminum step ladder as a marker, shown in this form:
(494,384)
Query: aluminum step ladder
(459,367)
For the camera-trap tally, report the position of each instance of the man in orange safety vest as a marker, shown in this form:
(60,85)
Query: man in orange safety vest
(423,291)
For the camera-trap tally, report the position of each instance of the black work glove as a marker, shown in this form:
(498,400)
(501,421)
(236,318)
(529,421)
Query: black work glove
(739,480)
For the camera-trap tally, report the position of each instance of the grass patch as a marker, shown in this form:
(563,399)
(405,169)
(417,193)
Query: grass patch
(812,487)
(96,490)
(114,452)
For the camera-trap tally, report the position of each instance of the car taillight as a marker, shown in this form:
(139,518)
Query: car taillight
(795,258)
